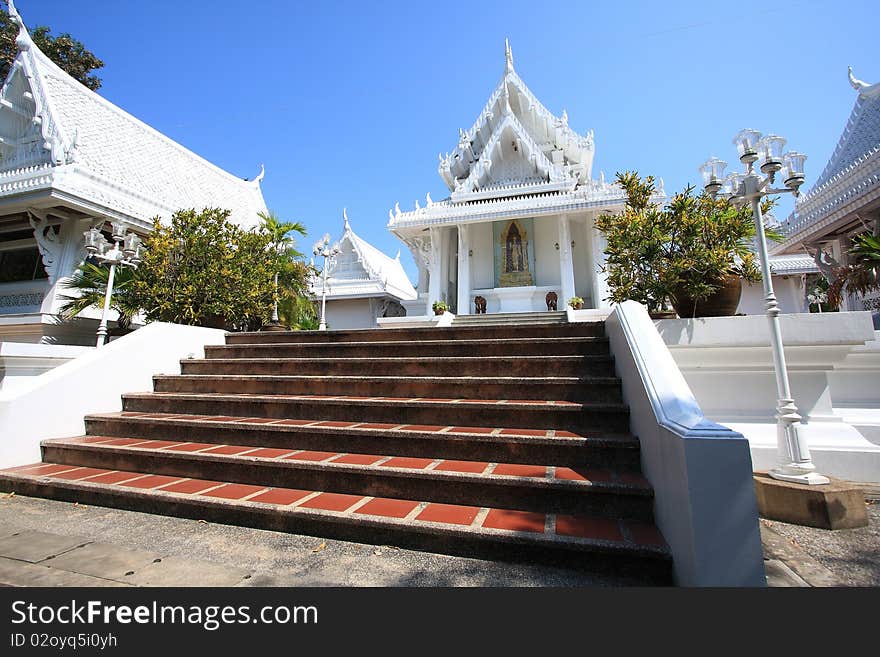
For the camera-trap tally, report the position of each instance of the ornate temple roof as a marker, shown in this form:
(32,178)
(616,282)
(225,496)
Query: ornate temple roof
(517,157)
(850,179)
(57,134)
(362,270)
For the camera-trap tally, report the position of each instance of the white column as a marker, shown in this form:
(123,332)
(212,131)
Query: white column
(435,267)
(566,264)
(600,282)
(464,271)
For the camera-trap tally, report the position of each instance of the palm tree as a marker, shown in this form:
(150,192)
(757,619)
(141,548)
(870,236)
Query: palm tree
(292,273)
(862,275)
(90,284)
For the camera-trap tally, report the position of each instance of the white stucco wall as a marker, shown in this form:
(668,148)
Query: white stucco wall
(546,255)
(349,314)
(789,293)
(482,262)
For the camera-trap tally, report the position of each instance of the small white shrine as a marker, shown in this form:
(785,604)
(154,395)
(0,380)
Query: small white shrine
(71,160)
(518,223)
(363,284)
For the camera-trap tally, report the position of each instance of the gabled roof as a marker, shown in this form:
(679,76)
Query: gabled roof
(850,180)
(361,270)
(82,144)
(566,157)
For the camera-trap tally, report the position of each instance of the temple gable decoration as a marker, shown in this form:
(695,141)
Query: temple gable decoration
(514,254)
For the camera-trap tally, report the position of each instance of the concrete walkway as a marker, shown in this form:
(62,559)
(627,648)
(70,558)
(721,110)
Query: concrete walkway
(49,543)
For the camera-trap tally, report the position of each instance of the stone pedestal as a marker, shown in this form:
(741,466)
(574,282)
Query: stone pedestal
(838,505)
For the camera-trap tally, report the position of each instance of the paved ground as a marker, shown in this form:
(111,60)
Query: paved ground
(48,543)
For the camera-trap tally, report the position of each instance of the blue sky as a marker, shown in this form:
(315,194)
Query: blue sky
(348,103)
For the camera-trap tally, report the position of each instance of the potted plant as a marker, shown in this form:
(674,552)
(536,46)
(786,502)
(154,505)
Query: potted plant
(439,307)
(691,253)
(576,302)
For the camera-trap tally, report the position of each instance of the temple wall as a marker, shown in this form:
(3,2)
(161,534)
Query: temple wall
(482,262)
(349,314)
(546,255)
(789,291)
(583,282)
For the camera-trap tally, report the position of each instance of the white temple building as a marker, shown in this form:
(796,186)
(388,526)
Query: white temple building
(70,160)
(845,200)
(518,223)
(363,284)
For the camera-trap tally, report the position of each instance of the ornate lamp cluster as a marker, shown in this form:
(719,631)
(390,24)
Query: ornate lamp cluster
(795,463)
(125,250)
(322,248)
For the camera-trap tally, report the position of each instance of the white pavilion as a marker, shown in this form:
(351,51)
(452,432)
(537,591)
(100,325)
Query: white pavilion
(363,284)
(70,160)
(519,219)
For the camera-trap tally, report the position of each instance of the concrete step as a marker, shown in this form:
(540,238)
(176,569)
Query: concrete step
(601,450)
(473,329)
(527,487)
(427,349)
(596,389)
(489,366)
(529,414)
(630,547)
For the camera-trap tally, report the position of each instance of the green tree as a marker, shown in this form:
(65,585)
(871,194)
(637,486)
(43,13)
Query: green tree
(688,247)
(69,53)
(204,270)
(295,309)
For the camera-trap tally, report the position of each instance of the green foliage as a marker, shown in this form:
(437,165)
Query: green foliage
(89,283)
(575,301)
(204,270)
(862,274)
(689,247)
(440,305)
(67,52)
(295,309)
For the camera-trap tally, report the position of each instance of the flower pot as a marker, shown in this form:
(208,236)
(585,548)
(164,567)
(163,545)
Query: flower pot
(439,311)
(577,306)
(721,304)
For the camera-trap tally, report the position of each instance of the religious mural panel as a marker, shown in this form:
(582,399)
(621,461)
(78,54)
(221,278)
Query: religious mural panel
(514,252)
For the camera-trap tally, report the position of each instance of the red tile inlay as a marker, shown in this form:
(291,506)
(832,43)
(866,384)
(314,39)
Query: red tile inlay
(567,434)
(358,459)
(471,430)
(95,439)
(80,473)
(645,534)
(376,425)
(395,398)
(24,468)
(387,507)
(281,496)
(528,401)
(228,449)
(310,456)
(434,399)
(127,442)
(523,432)
(294,423)
(518,470)
(50,469)
(332,501)
(422,427)
(583,474)
(160,444)
(189,447)
(234,491)
(407,462)
(191,486)
(269,452)
(260,420)
(222,418)
(478,401)
(516,521)
(331,423)
(114,477)
(151,481)
(588,527)
(474,467)
(454,514)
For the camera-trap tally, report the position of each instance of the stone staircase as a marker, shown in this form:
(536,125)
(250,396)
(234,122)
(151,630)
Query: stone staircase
(517,319)
(505,441)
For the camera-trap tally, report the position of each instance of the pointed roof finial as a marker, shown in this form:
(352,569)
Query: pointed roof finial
(260,175)
(23,40)
(345,225)
(508,56)
(397,257)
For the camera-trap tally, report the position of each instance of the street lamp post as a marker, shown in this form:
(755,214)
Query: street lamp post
(124,251)
(795,464)
(323,248)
